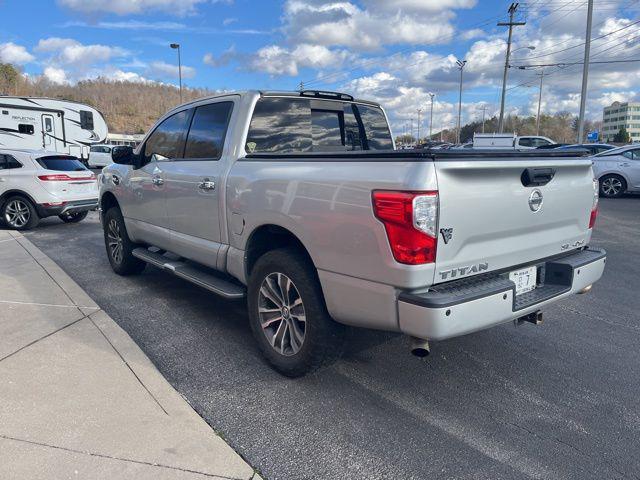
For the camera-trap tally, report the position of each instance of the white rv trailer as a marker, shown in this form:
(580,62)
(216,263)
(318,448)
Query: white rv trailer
(45,123)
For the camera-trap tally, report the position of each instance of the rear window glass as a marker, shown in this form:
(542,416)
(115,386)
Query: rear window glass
(291,125)
(62,164)
(207,132)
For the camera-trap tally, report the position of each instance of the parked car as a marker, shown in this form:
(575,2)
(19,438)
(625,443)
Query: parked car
(509,141)
(35,184)
(100,156)
(300,203)
(592,148)
(618,170)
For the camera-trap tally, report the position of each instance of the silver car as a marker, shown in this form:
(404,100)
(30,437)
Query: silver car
(618,170)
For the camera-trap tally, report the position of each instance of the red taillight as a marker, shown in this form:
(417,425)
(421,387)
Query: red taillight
(410,220)
(592,217)
(56,177)
(62,177)
(594,206)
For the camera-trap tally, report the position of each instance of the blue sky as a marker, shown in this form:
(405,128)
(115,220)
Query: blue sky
(396,52)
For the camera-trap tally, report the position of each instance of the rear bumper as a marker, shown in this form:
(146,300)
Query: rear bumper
(475,303)
(69,207)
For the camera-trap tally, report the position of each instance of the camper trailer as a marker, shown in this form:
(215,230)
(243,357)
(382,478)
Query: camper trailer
(49,124)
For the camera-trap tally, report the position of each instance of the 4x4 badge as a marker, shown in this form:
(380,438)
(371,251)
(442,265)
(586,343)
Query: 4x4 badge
(447,233)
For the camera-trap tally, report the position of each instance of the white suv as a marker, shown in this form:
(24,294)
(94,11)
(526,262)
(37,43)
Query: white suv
(99,156)
(37,184)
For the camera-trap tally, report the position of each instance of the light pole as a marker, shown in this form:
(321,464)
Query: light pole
(431,116)
(461,65)
(483,109)
(419,110)
(176,46)
(539,102)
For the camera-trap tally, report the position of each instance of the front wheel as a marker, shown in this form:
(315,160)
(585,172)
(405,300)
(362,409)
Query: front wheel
(19,213)
(73,217)
(119,245)
(288,315)
(612,186)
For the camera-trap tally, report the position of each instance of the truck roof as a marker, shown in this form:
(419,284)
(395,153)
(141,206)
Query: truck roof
(318,94)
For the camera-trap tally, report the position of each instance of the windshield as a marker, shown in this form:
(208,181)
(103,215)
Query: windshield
(61,164)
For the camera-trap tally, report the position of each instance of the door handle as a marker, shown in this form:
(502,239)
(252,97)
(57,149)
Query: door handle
(207,184)
(624,164)
(115,179)
(157,181)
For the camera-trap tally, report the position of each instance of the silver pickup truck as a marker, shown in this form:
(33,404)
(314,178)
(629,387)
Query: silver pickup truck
(300,203)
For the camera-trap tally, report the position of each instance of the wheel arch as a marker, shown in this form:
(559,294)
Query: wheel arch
(107,201)
(15,192)
(268,237)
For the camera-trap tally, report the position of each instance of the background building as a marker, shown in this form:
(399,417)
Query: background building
(619,115)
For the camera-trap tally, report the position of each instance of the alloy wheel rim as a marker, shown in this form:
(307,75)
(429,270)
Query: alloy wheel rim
(114,241)
(282,314)
(17,213)
(611,186)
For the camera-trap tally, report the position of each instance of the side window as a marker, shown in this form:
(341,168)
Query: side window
(167,140)
(11,162)
(3,162)
(280,125)
(25,128)
(632,154)
(208,130)
(86,120)
(376,128)
(525,142)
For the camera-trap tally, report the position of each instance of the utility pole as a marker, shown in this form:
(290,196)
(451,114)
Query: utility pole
(411,134)
(431,117)
(510,24)
(585,72)
(301,86)
(483,109)
(541,74)
(461,65)
(419,112)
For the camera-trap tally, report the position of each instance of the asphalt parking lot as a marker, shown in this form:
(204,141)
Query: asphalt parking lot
(557,401)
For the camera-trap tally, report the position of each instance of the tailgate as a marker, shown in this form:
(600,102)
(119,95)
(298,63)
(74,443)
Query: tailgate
(493,214)
(70,185)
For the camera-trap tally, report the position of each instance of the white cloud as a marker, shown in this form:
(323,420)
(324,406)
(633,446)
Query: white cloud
(55,75)
(229,21)
(168,70)
(67,51)
(276,60)
(227,56)
(346,24)
(12,53)
(128,7)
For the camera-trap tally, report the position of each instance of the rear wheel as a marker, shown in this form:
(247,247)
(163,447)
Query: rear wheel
(19,213)
(119,245)
(73,217)
(612,186)
(288,315)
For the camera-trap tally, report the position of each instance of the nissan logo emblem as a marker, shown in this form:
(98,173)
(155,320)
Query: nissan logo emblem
(535,200)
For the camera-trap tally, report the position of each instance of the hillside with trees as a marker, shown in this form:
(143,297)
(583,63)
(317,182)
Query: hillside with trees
(129,107)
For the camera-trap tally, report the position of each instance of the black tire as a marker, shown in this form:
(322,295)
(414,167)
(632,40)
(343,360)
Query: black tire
(73,217)
(612,186)
(114,228)
(19,213)
(323,338)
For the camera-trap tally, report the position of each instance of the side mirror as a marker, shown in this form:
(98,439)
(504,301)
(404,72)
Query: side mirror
(123,155)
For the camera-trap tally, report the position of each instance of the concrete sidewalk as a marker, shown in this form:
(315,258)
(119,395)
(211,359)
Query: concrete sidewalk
(78,398)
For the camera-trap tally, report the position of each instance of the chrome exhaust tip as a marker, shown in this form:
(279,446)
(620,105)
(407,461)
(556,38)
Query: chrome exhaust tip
(419,347)
(586,289)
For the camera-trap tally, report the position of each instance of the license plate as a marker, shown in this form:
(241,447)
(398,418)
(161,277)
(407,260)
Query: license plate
(525,279)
